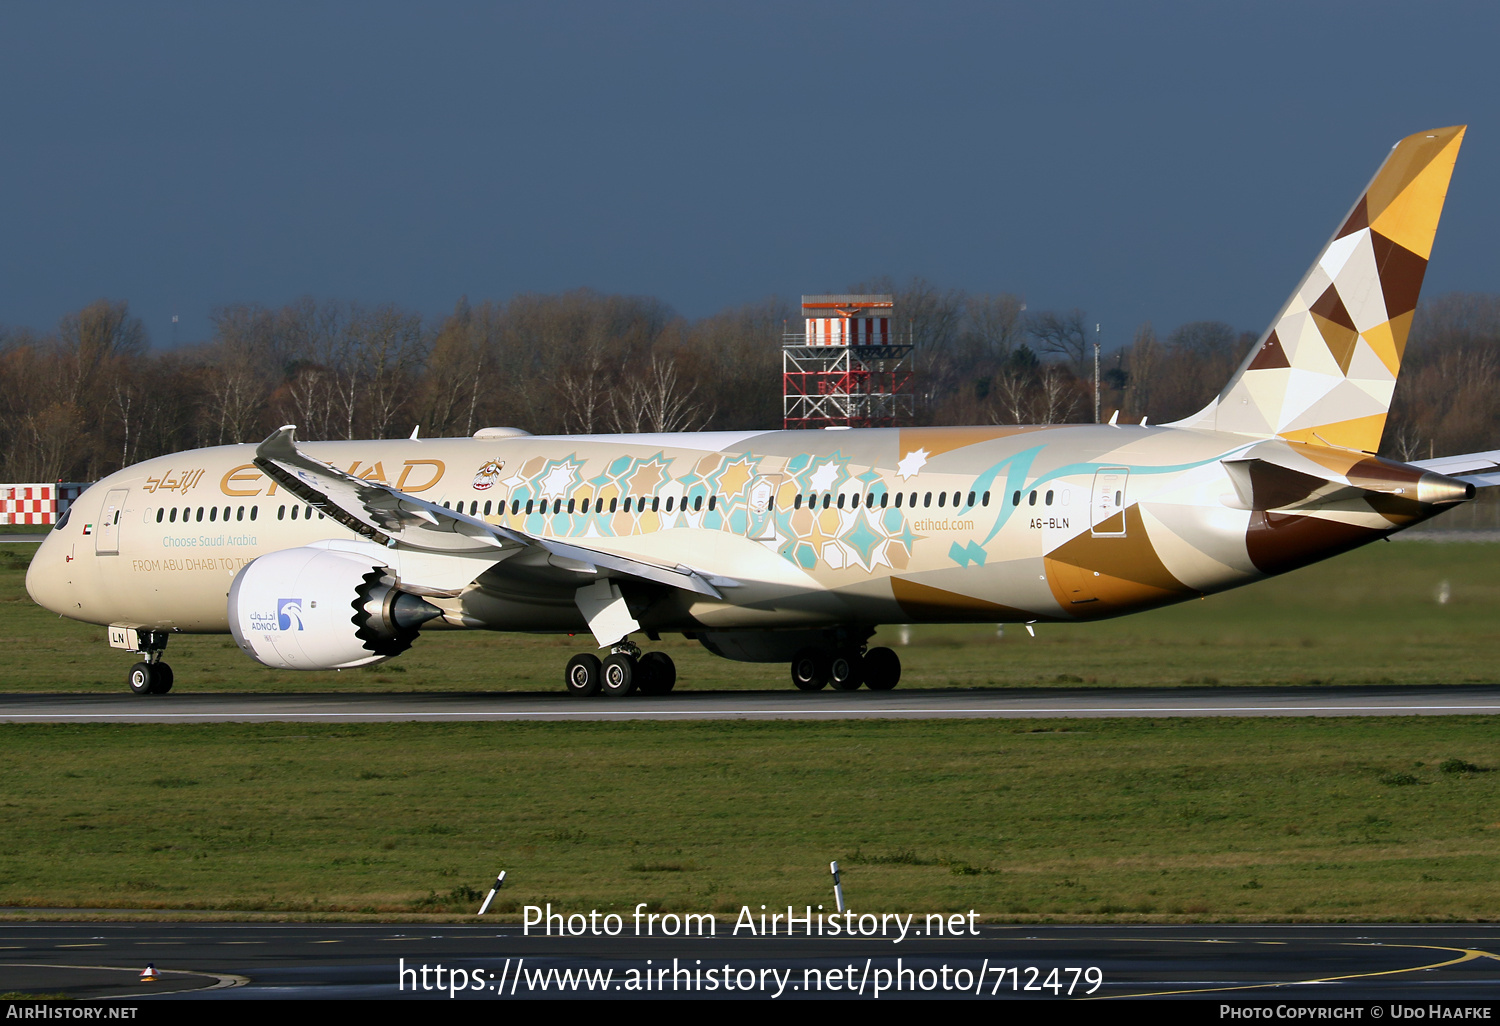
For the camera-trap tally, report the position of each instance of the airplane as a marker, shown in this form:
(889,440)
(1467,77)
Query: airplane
(785,546)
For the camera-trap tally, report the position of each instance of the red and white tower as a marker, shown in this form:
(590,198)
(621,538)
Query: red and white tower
(847,369)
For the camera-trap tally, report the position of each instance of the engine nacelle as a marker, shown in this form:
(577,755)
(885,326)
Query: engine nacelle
(322,609)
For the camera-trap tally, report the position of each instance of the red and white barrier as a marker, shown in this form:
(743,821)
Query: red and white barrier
(28,504)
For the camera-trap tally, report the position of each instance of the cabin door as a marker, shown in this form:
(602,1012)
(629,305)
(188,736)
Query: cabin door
(1107,510)
(107,530)
(762,522)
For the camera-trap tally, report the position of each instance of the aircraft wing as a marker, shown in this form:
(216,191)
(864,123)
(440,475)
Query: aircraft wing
(1481,469)
(444,548)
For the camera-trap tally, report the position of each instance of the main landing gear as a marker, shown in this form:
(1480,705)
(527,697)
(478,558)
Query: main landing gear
(813,669)
(626,671)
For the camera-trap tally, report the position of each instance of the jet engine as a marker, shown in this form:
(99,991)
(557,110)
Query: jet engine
(322,609)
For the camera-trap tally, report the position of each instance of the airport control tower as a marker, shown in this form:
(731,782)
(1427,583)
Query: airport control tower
(847,369)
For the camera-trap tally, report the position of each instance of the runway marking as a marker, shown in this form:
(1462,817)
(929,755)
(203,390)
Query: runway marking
(221,980)
(600,713)
(1468,954)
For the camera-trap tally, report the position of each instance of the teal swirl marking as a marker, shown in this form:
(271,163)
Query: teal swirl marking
(1016,468)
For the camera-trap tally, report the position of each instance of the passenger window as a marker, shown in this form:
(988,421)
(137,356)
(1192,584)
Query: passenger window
(213,514)
(697,503)
(253,510)
(239,514)
(280,512)
(159,514)
(711,499)
(971,498)
(841,500)
(307,513)
(529,503)
(985,498)
(912,502)
(656,503)
(1015,498)
(200,513)
(295,511)
(486,507)
(613,503)
(556,506)
(173,518)
(827,500)
(885,497)
(570,504)
(898,499)
(669,503)
(927,500)
(1032,500)
(1049,497)
(797,501)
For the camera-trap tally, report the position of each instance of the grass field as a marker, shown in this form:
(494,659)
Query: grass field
(1186,819)
(1369,616)
(1176,819)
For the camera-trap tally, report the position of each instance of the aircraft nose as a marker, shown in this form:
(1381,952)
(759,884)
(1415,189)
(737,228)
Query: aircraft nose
(46,579)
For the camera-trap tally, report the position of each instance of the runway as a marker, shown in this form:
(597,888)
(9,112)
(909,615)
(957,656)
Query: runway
(982,703)
(352,961)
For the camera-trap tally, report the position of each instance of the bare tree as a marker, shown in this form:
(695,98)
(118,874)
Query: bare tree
(387,346)
(242,373)
(1057,398)
(1062,334)
(996,324)
(659,401)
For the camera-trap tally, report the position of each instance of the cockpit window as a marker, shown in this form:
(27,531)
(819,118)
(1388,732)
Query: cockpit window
(62,521)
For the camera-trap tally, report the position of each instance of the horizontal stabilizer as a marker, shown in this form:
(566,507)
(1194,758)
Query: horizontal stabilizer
(1481,469)
(1262,485)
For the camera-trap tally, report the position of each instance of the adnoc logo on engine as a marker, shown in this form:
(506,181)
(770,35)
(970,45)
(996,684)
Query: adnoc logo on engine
(289,614)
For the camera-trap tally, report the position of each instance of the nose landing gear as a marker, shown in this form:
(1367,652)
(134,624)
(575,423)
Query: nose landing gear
(150,676)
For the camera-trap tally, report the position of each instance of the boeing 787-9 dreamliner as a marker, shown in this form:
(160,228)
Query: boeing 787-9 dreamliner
(785,546)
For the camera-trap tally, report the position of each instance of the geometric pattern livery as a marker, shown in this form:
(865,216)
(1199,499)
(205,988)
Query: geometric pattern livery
(1325,370)
(1111,574)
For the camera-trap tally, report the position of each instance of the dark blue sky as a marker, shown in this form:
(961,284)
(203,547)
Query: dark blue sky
(1163,162)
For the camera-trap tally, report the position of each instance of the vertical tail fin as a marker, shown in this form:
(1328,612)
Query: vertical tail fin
(1325,371)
